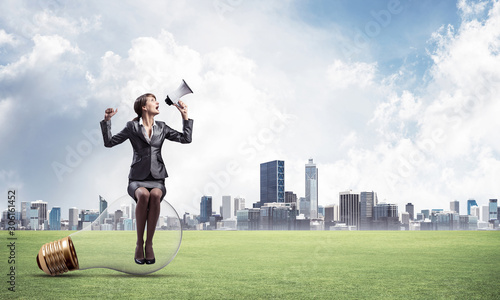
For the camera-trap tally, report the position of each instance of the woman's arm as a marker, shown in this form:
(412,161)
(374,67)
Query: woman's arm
(111,140)
(183,137)
(183,108)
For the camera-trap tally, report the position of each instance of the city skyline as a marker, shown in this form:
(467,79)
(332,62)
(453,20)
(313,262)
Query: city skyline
(272,178)
(348,214)
(215,203)
(276,169)
(398,97)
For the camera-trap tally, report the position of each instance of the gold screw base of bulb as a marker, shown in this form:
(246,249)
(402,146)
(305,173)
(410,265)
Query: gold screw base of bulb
(57,257)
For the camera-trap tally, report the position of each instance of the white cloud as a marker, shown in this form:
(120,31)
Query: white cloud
(7,38)
(46,50)
(6,111)
(470,9)
(343,75)
(10,179)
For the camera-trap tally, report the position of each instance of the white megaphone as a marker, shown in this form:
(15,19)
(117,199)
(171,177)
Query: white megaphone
(182,90)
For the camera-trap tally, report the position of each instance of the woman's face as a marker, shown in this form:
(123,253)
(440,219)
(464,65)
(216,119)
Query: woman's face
(152,106)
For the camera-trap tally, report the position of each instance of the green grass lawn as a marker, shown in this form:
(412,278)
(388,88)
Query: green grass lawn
(283,265)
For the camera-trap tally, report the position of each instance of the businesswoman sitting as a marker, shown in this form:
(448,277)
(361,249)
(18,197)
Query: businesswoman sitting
(147,172)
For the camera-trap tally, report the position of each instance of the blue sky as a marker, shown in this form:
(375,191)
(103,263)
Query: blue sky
(402,103)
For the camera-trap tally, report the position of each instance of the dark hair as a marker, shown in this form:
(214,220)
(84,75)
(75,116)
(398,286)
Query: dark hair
(139,103)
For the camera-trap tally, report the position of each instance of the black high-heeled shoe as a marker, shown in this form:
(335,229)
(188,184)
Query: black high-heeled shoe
(150,261)
(140,261)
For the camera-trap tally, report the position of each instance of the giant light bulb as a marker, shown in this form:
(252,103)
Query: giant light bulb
(110,240)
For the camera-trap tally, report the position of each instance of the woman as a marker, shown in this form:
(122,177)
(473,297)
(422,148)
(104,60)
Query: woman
(147,172)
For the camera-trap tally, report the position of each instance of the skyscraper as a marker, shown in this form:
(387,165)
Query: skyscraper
(103,204)
(349,208)
(42,211)
(25,212)
(73,218)
(272,182)
(312,188)
(485,213)
(205,209)
(493,205)
(226,208)
(455,206)
(239,204)
(367,200)
(411,210)
(55,218)
(118,225)
(33,219)
(470,202)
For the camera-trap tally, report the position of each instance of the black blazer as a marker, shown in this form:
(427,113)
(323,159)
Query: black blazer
(147,156)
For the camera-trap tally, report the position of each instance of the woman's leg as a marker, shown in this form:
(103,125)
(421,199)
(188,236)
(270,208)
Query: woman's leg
(153,214)
(141,214)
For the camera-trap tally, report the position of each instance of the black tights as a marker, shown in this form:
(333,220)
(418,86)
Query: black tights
(147,209)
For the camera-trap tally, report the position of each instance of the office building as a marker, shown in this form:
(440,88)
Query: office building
(11,219)
(239,204)
(455,206)
(485,213)
(118,220)
(55,218)
(410,209)
(127,210)
(42,212)
(349,208)
(73,219)
(272,182)
(321,211)
(405,220)
(331,216)
(467,222)
(25,219)
(128,224)
(476,212)
(311,177)
(290,197)
(214,220)
(88,215)
(277,216)
(367,200)
(470,203)
(493,209)
(305,207)
(33,217)
(205,209)
(445,220)
(103,205)
(331,213)
(385,216)
(248,219)
(227,211)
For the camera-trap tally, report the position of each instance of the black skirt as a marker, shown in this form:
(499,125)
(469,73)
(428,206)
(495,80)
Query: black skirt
(149,183)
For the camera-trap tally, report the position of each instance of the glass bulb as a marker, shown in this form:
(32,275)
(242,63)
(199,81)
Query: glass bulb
(110,241)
